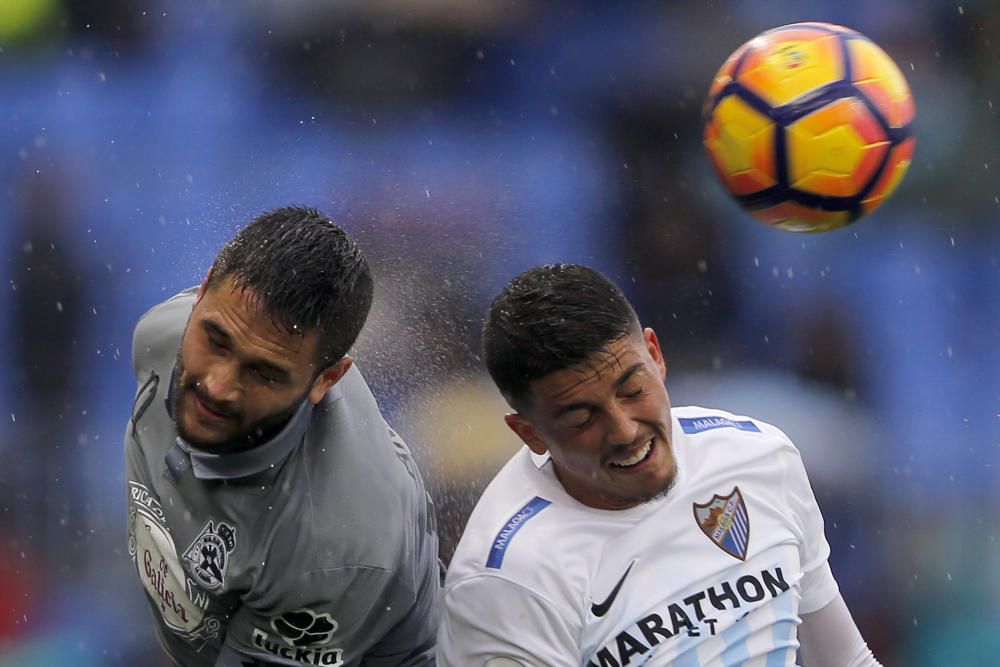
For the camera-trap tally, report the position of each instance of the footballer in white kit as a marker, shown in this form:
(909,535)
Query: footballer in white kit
(625,532)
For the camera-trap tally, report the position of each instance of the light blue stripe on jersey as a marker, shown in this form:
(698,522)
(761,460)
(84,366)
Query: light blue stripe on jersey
(506,534)
(708,423)
(735,638)
(687,653)
(783,630)
(735,653)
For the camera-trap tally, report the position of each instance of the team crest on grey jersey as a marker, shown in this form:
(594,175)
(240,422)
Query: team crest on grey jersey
(208,556)
(725,521)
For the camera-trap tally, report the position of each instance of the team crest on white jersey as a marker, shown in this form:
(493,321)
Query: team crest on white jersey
(724,519)
(208,556)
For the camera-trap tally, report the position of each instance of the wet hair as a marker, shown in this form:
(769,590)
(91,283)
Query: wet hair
(307,272)
(548,319)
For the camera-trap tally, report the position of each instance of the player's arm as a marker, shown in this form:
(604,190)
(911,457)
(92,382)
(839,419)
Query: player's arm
(489,621)
(829,638)
(230,657)
(415,592)
(289,638)
(345,615)
(412,641)
(828,635)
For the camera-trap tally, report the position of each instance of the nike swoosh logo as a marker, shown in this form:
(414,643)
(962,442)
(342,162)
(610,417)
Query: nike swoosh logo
(601,609)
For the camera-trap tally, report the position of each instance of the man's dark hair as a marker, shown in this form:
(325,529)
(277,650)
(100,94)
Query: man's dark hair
(308,273)
(548,319)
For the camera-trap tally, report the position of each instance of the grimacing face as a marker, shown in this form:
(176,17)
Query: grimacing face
(240,376)
(606,424)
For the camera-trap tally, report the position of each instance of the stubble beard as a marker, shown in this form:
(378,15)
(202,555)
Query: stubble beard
(244,438)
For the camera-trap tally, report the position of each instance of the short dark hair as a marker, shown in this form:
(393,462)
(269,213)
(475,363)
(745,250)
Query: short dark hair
(308,273)
(550,318)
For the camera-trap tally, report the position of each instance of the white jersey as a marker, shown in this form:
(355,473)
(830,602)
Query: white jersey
(717,573)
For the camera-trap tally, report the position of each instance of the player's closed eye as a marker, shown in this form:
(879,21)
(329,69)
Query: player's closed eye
(216,344)
(588,418)
(264,376)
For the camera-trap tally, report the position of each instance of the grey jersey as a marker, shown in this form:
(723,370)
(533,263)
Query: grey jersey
(315,548)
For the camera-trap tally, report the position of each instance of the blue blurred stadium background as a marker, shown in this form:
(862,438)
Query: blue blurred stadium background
(463,141)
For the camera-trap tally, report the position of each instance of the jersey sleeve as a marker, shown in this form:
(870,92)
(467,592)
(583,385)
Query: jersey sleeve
(412,642)
(158,332)
(831,639)
(489,620)
(818,585)
(340,616)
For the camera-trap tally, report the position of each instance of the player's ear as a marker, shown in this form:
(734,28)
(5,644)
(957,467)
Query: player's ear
(653,347)
(329,377)
(526,432)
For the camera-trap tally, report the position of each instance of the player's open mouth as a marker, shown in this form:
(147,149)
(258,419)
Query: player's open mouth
(639,457)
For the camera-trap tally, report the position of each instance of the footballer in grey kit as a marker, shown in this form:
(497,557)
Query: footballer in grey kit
(274,516)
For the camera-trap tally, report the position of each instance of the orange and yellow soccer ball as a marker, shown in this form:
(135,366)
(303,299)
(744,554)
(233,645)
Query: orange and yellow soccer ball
(809,126)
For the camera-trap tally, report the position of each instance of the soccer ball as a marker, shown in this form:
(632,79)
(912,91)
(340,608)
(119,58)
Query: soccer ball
(808,126)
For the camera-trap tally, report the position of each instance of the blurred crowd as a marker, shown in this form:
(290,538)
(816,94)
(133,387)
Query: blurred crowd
(463,141)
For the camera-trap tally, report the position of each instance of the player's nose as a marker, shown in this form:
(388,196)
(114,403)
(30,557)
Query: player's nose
(621,427)
(221,382)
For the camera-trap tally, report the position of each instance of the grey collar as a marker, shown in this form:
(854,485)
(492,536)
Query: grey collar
(270,454)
